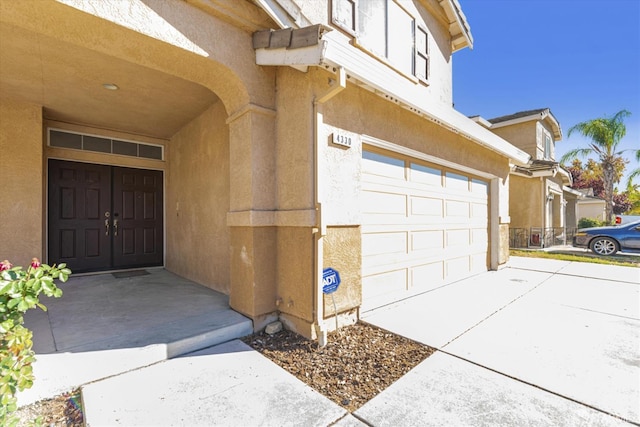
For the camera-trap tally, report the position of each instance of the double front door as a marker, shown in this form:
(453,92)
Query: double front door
(104,217)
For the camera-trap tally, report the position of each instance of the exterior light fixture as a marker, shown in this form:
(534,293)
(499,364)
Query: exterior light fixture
(110,86)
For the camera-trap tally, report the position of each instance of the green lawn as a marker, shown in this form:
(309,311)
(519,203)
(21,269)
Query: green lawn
(623,260)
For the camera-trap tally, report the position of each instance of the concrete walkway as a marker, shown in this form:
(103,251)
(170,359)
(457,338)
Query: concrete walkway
(540,343)
(105,325)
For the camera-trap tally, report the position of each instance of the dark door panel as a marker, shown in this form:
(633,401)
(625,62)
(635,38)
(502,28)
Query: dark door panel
(104,217)
(79,204)
(137,208)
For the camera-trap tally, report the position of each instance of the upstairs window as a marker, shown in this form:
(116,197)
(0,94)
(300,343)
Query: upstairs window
(547,147)
(386,30)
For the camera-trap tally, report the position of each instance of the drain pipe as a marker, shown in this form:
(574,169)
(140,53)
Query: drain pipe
(321,229)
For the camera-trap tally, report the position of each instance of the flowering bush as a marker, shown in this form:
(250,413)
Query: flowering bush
(19,292)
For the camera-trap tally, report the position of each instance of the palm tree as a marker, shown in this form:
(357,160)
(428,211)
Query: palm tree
(605,134)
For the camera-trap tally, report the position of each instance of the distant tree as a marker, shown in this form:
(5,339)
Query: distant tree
(633,192)
(635,172)
(590,176)
(605,134)
(621,203)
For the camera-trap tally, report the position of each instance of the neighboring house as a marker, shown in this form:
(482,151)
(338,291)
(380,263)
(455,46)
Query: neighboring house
(189,135)
(590,206)
(542,205)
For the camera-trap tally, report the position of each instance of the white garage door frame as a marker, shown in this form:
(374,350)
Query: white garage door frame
(451,171)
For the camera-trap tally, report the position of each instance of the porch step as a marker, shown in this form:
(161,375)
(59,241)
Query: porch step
(105,326)
(59,372)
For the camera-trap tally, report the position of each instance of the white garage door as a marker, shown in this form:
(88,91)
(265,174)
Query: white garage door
(422,227)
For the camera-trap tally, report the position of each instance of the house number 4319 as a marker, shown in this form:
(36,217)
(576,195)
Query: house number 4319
(343,139)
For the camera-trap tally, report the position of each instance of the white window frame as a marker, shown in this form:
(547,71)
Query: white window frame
(341,10)
(547,146)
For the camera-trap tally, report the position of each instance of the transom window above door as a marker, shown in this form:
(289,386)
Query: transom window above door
(99,144)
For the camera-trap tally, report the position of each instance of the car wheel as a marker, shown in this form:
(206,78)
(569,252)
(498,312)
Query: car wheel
(604,246)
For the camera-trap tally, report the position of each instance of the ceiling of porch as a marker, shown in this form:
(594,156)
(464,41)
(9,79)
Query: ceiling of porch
(67,81)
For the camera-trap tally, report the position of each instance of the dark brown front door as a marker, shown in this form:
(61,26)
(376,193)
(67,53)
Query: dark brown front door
(104,217)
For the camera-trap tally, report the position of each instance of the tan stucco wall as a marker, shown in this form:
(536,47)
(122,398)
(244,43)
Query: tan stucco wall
(360,111)
(197,189)
(21,180)
(525,202)
(341,251)
(591,209)
(522,135)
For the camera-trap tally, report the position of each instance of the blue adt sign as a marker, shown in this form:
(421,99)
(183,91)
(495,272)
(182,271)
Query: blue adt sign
(330,280)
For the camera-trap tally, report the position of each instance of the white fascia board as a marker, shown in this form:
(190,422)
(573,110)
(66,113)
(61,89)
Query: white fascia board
(544,115)
(518,120)
(574,192)
(275,12)
(481,121)
(452,7)
(300,58)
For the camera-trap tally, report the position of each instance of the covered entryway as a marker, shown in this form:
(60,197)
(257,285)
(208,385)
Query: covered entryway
(104,217)
(423,225)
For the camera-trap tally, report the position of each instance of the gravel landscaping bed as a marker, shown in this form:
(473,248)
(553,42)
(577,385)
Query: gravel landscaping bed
(358,362)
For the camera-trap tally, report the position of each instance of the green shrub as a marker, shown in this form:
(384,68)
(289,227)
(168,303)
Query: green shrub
(19,292)
(591,222)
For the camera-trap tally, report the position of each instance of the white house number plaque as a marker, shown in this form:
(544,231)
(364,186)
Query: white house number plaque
(342,138)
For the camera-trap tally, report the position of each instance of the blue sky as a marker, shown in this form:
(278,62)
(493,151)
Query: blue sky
(580,58)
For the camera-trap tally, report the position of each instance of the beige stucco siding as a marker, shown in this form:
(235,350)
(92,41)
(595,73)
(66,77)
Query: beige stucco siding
(21,180)
(362,112)
(198,200)
(522,135)
(525,205)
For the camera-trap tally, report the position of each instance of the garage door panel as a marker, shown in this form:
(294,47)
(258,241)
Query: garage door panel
(427,277)
(427,240)
(480,211)
(458,267)
(375,202)
(457,209)
(454,181)
(457,238)
(422,227)
(427,206)
(479,237)
(381,289)
(384,243)
(425,175)
(480,188)
(479,262)
(381,165)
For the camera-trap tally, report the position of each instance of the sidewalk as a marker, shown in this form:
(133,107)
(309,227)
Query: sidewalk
(540,343)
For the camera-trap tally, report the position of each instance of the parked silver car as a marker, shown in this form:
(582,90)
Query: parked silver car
(610,240)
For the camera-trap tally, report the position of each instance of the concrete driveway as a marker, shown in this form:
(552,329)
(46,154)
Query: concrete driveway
(543,342)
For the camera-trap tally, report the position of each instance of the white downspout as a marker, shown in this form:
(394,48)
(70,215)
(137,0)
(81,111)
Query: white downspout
(321,229)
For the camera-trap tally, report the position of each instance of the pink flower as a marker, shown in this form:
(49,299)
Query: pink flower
(5,265)
(35,262)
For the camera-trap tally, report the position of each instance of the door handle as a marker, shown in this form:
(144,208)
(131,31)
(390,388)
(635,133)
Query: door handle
(107,214)
(115,227)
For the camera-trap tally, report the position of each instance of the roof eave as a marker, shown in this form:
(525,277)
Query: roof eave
(458,26)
